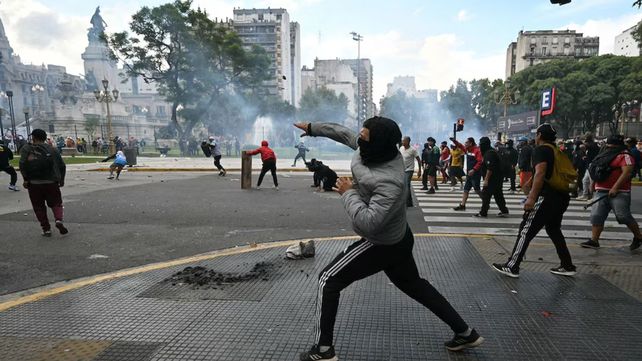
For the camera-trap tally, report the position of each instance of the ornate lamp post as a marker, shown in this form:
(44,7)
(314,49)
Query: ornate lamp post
(507,98)
(13,119)
(358,38)
(105,96)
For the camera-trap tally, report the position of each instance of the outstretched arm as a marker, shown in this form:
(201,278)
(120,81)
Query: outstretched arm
(334,131)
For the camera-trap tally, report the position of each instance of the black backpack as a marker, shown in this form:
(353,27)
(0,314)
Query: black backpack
(600,168)
(39,163)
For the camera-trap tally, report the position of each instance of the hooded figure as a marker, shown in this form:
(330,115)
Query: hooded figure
(269,163)
(375,202)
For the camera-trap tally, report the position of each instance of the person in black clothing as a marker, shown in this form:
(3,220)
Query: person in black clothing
(592,149)
(324,177)
(579,153)
(509,162)
(524,161)
(430,160)
(5,156)
(544,208)
(493,179)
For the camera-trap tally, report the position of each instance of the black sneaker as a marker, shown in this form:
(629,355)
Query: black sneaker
(505,270)
(502,215)
(431,191)
(314,354)
(459,343)
(635,244)
(590,244)
(479,215)
(460,207)
(562,271)
(61,227)
(424,188)
(46,233)
(436,187)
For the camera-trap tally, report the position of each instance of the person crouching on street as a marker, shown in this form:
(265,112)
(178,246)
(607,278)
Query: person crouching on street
(119,163)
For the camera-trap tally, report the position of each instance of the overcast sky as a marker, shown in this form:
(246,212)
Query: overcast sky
(437,41)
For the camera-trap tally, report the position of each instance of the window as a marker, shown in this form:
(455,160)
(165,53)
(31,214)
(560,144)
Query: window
(555,41)
(567,51)
(160,110)
(543,50)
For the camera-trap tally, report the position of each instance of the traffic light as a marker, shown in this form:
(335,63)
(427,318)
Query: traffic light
(460,124)
(560,2)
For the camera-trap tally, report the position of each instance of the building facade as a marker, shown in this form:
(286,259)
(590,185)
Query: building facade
(625,45)
(407,85)
(340,75)
(536,47)
(271,29)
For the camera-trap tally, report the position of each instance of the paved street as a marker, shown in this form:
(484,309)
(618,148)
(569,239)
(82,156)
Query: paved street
(98,293)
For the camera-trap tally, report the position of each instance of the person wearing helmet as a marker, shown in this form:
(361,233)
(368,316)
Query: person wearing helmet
(375,201)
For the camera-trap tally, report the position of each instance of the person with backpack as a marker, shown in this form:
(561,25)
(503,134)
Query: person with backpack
(215,150)
(269,163)
(509,157)
(493,180)
(5,156)
(43,171)
(611,172)
(547,201)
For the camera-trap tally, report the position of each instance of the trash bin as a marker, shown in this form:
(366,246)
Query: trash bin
(130,154)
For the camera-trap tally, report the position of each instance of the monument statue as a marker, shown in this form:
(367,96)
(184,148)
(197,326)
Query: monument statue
(98,27)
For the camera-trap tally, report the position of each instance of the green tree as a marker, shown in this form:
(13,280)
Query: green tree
(196,63)
(323,104)
(92,122)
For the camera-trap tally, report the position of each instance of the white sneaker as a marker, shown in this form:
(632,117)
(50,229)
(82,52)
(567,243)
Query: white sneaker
(452,189)
(276,188)
(13,188)
(258,187)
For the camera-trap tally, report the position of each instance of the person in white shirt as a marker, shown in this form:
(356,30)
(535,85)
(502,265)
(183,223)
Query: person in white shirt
(409,155)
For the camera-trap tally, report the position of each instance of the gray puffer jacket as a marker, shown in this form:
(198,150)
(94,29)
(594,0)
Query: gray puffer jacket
(377,204)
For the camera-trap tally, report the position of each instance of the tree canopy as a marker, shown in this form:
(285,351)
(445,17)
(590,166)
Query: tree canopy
(323,105)
(198,65)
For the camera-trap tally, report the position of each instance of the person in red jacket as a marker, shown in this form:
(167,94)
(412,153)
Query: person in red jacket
(269,163)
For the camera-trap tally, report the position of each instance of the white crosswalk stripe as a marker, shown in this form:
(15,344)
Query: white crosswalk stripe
(441,218)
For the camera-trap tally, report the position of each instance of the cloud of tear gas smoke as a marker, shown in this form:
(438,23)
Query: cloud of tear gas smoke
(434,120)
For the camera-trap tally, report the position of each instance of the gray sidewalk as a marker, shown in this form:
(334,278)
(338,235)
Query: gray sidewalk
(539,316)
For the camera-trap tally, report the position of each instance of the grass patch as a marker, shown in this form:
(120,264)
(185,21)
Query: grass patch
(68,160)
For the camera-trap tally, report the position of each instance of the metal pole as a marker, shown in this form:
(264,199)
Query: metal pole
(112,150)
(1,126)
(13,120)
(27,125)
(76,132)
(358,83)
(454,130)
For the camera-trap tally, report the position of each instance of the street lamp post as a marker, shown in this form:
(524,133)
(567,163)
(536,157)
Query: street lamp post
(26,111)
(358,38)
(507,98)
(2,111)
(105,96)
(13,119)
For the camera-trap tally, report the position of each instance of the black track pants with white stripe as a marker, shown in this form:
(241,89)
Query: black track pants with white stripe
(547,213)
(362,259)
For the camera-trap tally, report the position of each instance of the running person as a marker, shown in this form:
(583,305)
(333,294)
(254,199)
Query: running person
(5,156)
(409,155)
(376,205)
(456,167)
(302,149)
(493,180)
